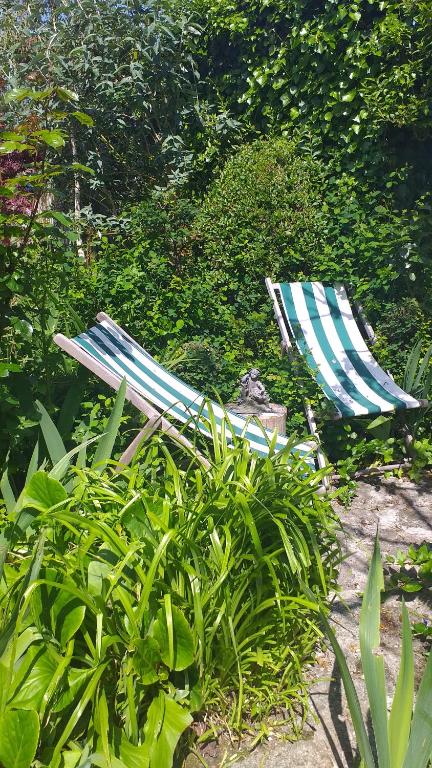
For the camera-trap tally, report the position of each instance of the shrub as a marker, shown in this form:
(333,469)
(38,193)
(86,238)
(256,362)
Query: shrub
(263,216)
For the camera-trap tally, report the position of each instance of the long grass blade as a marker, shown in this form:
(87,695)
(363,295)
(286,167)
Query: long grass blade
(33,464)
(7,492)
(52,437)
(423,368)
(350,692)
(420,744)
(372,661)
(401,711)
(106,444)
(411,366)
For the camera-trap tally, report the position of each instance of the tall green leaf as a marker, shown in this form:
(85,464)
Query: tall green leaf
(174,636)
(420,744)
(7,492)
(166,721)
(53,440)
(401,711)
(423,367)
(372,661)
(106,444)
(411,366)
(350,692)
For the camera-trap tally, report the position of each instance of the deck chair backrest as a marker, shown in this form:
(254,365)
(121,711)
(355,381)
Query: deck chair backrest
(322,324)
(123,357)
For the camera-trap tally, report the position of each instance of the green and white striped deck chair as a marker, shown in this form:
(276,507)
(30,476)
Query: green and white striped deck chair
(321,321)
(109,352)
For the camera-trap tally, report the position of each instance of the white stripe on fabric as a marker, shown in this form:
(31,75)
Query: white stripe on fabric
(319,357)
(114,361)
(153,391)
(359,345)
(190,394)
(177,384)
(340,353)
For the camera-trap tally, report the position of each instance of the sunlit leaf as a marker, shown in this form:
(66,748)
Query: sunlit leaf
(19,736)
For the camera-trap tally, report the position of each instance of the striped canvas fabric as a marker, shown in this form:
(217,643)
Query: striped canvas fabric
(126,359)
(323,326)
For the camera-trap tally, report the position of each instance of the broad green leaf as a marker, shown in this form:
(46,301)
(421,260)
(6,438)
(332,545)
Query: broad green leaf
(61,218)
(67,614)
(166,721)
(83,168)
(134,756)
(33,678)
(17,94)
(350,96)
(378,422)
(97,573)
(106,443)
(76,679)
(51,434)
(65,94)
(182,655)
(19,736)
(54,138)
(420,744)
(372,661)
(83,118)
(7,147)
(401,711)
(43,492)
(5,367)
(146,659)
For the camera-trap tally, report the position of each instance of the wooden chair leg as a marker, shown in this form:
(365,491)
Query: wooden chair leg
(322,461)
(143,435)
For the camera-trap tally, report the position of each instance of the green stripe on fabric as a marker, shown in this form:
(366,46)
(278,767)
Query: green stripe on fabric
(197,409)
(289,306)
(325,344)
(163,382)
(130,376)
(353,355)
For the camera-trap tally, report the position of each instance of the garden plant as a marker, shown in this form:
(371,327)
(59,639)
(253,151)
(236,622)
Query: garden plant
(133,601)
(157,161)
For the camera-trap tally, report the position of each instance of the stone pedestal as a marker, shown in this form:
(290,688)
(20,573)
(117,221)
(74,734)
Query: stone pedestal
(274,419)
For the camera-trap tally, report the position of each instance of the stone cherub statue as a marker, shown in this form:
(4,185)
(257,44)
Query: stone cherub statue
(253,397)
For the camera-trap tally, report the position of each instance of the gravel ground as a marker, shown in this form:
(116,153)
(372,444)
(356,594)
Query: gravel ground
(402,509)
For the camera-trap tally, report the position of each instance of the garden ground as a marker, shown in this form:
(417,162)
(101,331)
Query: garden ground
(402,509)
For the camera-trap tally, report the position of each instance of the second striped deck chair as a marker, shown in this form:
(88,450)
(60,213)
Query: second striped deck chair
(109,352)
(320,320)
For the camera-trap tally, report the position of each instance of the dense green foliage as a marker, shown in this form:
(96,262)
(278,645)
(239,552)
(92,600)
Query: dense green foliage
(145,595)
(128,64)
(158,161)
